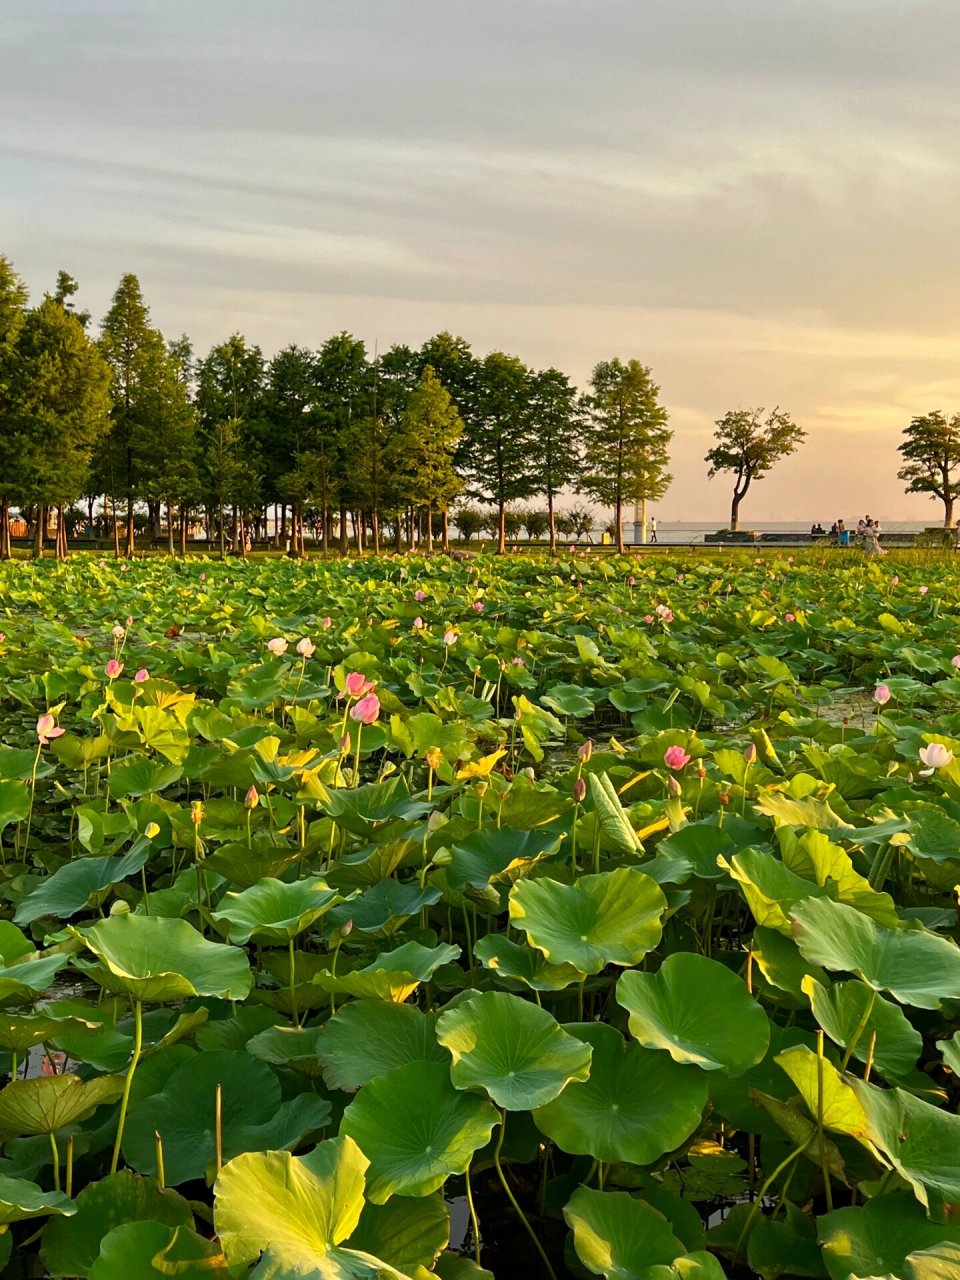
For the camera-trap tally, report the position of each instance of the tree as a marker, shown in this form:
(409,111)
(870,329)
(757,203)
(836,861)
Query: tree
(167,463)
(61,412)
(13,302)
(626,448)
(931,453)
(749,445)
(422,450)
(469,521)
(498,446)
(343,393)
(558,423)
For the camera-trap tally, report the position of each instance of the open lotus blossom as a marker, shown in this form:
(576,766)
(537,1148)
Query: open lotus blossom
(48,729)
(151,829)
(357,684)
(418,623)
(326,623)
(954,661)
(141,676)
(366,710)
(935,756)
(676,757)
(789,617)
(478,606)
(277,646)
(881,695)
(924,590)
(648,618)
(419,595)
(449,637)
(895,580)
(118,632)
(113,668)
(306,648)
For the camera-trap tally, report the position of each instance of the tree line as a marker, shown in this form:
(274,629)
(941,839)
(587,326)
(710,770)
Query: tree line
(337,438)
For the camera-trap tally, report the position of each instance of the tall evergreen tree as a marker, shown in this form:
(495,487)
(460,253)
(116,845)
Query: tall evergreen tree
(498,449)
(13,303)
(421,451)
(558,425)
(628,438)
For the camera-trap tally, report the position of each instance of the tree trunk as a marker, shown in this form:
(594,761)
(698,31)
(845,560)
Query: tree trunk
(61,543)
(948,511)
(618,516)
(375,525)
(6,550)
(39,531)
(501,529)
(445,525)
(552,518)
(222,532)
(184,529)
(343,529)
(169,527)
(398,532)
(429,526)
(735,512)
(116,527)
(131,544)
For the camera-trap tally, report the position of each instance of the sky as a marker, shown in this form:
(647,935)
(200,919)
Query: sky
(755,198)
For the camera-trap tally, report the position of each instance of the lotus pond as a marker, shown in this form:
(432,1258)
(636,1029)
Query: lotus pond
(415,917)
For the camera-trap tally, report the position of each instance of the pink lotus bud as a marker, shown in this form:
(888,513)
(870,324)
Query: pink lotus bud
(306,648)
(252,798)
(895,580)
(955,660)
(47,729)
(673,786)
(631,581)
(449,637)
(357,684)
(789,617)
(418,624)
(579,791)
(129,622)
(113,668)
(366,710)
(141,676)
(789,559)
(3,638)
(517,661)
(881,695)
(343,746)
(750,753)
(419,595)
(676,757)
(277,646)
(648,618)
(586,750)
(203,577)
(326,623)
(934,756)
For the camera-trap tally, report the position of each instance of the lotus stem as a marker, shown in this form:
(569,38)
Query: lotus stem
(870,1051)
(128,1081)
(860,1028)
(68,1186)
(474,1221)
(293,986)
(146,895)
(821,1141)
(56,1162)
(218,1126)
(33,791)
(356,759)
(762,1193)
(512,1198)
(158,1148)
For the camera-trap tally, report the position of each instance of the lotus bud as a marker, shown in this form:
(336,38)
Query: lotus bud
(586,750)
(433,757)
(701,772)
(724,798)
(119,908)
(579,791)
(151,829)
(252,798)
(196,812)
(346,928)
(482,787)
(673,786)
(750,753)
(529,772)
(343,746)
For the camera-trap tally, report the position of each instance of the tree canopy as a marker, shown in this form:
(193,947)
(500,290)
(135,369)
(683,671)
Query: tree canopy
(749,445)
(931,454)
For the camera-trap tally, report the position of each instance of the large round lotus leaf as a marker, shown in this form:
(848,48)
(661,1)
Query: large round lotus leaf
(76,884)
(840,1010)
(20,1199)
(296,1211)
(274,910)
(779,960)
(522,964)
(916,967)
(699,1011)
(19,1032)
(395,975)
(875,1239)
(940,1262)
(145,1249)
(370,1037)
(45,1104)
(951,1052)
(157,959)
(824,1091)
(921,1141)
(70,1245)
(416,1129)
(611,918)
(496,853)
(29,974)
(617,1236)
(787,1247)
(406,1232)
(512,1049)
(635,1106)
(253,1118)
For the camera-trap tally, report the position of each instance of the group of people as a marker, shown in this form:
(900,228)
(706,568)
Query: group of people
(868,533)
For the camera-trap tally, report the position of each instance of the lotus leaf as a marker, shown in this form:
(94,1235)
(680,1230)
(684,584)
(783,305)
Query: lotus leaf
(633,1107)
(20,1199)
(876,1238)
(511,1049)
(523,964)
(921,1142)
(394,975)
(841,1109)
(619,1237)
(77,885)
(698,1011)
(610,918)
(407,1232)
(149,1248)
(370,1037)
(275,911)
(502,853)
(48,1103)
(851,1013)
(416,1129)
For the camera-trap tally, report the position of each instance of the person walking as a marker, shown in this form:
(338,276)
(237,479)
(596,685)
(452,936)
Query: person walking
(653,528)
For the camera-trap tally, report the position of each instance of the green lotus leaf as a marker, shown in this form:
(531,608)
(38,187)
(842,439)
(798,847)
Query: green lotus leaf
(512,1049)
(14,802)
(275,911)
(617,1236)
(698,844)
(242,865)
(141,778)
(285,1046)
(779,960)
(78,884)
(368,1038)
(635,1106)
(148,1248)
(406,1232)
(362,809)
(416,1129)
(921,1141)
(915,966)
(770,888)
(811,854)
(613,818)
(697,1010)
(452,1266)
(785,1248)
(253,1118)
(951,1052)
(497,853)
(610,918)
(383,910)
(523,964)
(940,1262)
(29,974)
(20,1199)
(395,975)
(823,1089)
(156,959)
(297,1211)
(45,1104)
(19,1032)
(851,1012)
(876,1238)
(71,1245)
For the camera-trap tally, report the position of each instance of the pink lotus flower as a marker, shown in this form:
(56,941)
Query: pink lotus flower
(676,757)
(113,669)
(48,729)
(203,577)
(789,559)
(895,580)
(648,618)
(306,648)
(955,660)
(478,606)
(517,662)
(419,595)
(326,623)
(3,638)
(142,676)
(934,756)
(881,695)
(366,710)
(277,646)
(924,590)
(449,637)
(357,684)
(118,632)
(789,617)
(418,623)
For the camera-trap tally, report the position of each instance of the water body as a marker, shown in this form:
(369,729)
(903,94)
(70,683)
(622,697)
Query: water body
(681,531)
